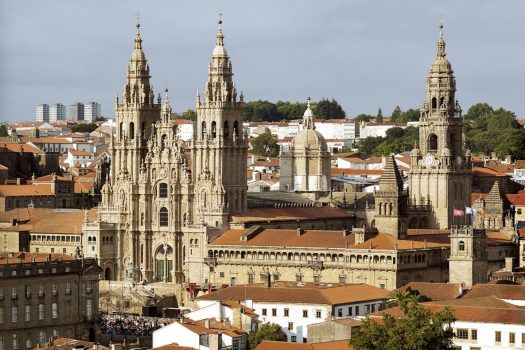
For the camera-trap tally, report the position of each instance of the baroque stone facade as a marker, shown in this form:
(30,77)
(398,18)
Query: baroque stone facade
(153,207)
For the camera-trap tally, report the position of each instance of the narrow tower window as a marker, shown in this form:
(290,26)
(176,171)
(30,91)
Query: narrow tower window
(432,143)
(213,129)
(434,103)
(143,131)
(131,130)
(226,129)
(163,217)
(203,129)
(236,129)
(461,246)
(121,130)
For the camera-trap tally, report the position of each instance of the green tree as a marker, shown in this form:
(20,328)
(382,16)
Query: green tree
(369,144)
(100,119)
(261,111)
(396,114)
(290,110)
(402,297)
(84,128)
(329,109)
(363,118)
(268,331)
(419,328)
(265,145)
(379,116)
(190,114)
(3,130)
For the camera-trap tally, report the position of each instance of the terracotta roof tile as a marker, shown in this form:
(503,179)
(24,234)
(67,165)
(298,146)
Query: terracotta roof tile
(502,291)
(7,258)
(331,345)
(300,292)
(276,214)
(25,190)
(435,291)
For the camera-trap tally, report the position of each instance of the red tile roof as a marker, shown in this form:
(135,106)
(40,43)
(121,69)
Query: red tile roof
(331,345)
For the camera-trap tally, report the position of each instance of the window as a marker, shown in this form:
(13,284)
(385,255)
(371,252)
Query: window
(89,309)
(512,338)
(293,339)
(290,326)
(339,312)
(40,290)
(221,274)
(28,291)
(349,311)
(357,310)
(42,337)
(28,342)
(462,333)
(14,313)
(342,279)
(275,276)
(68,288)
(299,277)
(13,293)
(317,278)
(317,313)
(274,312)
(1,315)
(28,313)
(264,312)
(163,190)
(88,287)
(432,143)
(53,270)
(54,310)
(286,312)
(15,342)
(474,334)
(498,337)
(54,289)
(367,309)
(40,311)
(461,246)
(55,332)
(305,313)
(250,278)
(163,217)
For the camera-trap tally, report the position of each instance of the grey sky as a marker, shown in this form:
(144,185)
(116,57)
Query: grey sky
(366,54)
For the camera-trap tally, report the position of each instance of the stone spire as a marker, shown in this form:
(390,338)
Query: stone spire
(220,87)
(495,195)
(138,89)
(166,109)
(441,43)
(308,117)
(391,179)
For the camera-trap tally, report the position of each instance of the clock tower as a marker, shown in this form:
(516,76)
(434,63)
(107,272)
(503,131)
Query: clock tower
(440,172)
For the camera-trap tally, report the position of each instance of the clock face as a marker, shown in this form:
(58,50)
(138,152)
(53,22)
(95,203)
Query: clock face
(459,160)
(429,159)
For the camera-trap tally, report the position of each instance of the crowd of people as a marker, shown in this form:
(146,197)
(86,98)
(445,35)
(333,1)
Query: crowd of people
(132,325)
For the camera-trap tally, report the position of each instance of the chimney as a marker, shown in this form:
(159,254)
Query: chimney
(300,231)
(509,264)
(18,180)
(207,323)
(346,232)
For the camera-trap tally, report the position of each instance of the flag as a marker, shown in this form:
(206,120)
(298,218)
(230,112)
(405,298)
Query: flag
(458,212)
(471,211)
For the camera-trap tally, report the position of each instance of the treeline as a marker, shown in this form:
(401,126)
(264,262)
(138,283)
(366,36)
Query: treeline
(397,116)
(283,110)
(486,129)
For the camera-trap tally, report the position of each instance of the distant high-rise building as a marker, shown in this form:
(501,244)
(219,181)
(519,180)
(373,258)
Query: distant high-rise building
(57,112)
(76,111)
(42,113)
(91,111)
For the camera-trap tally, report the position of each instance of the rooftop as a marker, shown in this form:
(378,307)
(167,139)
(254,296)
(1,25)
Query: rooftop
(300,292)
(277,345)
(435,291)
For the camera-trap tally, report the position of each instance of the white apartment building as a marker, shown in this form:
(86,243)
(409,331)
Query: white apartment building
(296,305)
(375,130)
(81,159)
(184,129)
(42,113)
(91,111)
(57,112)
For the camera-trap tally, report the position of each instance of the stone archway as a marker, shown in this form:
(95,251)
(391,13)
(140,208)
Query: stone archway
(164,263)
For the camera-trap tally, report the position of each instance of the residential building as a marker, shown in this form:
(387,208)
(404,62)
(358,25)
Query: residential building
(57,112)
(76,111)
(296,305)
(44,296)
(91,111)
(42,113)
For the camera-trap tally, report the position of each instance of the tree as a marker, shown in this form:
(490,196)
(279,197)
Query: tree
(326,109)
(363,118)
(261,111)
(3,130)
(419,328)
(268,331)
(379,117)
(87,128)
(190,114)
(290,110)
(396,113)
(265,145)
(100,119)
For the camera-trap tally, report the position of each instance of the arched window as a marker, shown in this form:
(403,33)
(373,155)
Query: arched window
(213,129)
(380,207)
(236,129)
(131,130)
(391,208)
(143,131)
(434,103)
(226,131)
(461,246)
(121,130)
(163,142)
(432,143)
(203,129)
(163,217)
(441,102)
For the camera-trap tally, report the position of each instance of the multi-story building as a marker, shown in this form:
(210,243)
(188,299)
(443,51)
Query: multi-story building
(76,111)
(296,305)
(44,296)
(42,113)
(91,111)
(57,112)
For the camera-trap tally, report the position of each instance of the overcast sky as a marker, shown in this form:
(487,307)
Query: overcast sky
(365,54)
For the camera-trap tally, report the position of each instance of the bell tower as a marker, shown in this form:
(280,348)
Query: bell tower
(440,168)
(219,146)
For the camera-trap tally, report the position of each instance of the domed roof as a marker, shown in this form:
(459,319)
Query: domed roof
(220,50)
(309,139)
(138,54)
(441,65)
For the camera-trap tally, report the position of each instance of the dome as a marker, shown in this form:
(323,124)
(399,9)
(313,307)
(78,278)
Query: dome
(308,112)
(220,50)
(441,65)
(138,55)
(309,139)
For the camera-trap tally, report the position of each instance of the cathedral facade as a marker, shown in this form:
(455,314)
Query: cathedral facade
(155,212)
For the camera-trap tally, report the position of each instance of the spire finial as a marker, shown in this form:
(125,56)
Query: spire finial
(308,101)
(441,41)
(220,36)
(138,40)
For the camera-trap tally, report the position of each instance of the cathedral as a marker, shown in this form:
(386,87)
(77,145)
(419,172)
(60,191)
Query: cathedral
(167,205)
(153,205)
